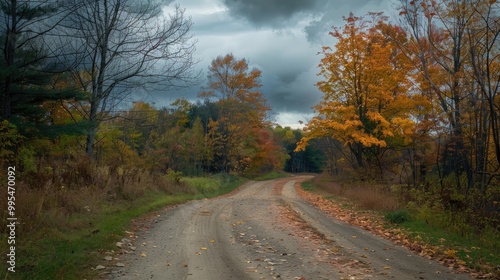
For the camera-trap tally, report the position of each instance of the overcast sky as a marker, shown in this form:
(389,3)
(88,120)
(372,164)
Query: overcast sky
(280,37)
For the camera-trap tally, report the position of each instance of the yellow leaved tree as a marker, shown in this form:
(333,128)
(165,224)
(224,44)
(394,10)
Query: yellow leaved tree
(367,103)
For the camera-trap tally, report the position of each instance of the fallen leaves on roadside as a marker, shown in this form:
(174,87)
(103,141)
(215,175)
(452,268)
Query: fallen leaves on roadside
(333,255)
(377,225)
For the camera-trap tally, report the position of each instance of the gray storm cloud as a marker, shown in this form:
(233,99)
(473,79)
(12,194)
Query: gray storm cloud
(279,14)
(289,67)
(280,37)
(273,13)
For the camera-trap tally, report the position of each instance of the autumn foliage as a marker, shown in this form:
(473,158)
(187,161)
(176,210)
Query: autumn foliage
(366,104)
(414,102)
(242,137)
(410,103)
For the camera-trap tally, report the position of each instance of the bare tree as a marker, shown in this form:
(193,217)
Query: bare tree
(484,37)
(122,45)
(439,44)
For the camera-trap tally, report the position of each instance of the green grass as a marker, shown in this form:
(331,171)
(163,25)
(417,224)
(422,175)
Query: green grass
(66,253)
(308,186)
(270,176)
(208,187)
(475,250)
(398,216)
(70,252)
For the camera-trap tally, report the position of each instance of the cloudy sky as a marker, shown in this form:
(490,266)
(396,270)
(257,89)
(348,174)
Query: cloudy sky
(280,37)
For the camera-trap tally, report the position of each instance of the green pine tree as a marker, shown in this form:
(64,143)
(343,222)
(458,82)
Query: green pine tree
(28,68)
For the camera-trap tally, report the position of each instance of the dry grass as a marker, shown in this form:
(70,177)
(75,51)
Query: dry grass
(60,203)
(51,197)
(369,196)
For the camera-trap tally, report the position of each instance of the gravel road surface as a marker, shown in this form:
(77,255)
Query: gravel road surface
(264,231)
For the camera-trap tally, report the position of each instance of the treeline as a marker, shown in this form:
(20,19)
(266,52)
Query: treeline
(189,138)
(192,138)
(414,101)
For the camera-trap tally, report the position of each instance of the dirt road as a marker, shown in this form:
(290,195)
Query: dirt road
(265,231)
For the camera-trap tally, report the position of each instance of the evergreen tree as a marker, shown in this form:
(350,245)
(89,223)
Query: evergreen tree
(28,68)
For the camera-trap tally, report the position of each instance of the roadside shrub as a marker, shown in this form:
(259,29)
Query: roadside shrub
(174,176)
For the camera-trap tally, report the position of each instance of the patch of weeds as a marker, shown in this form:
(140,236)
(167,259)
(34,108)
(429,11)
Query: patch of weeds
(398,216)
(174,176)
(308,186)
(347,206)
(478,251)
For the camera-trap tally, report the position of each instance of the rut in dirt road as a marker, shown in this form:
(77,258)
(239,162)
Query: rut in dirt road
(265,231)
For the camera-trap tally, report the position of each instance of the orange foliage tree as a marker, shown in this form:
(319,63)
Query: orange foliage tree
(366,83)
(240,135)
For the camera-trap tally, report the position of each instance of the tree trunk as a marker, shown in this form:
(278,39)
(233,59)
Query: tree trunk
(10,52)
(89,144)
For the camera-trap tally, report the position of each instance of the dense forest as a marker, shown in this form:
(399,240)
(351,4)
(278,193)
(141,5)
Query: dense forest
(411,103)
